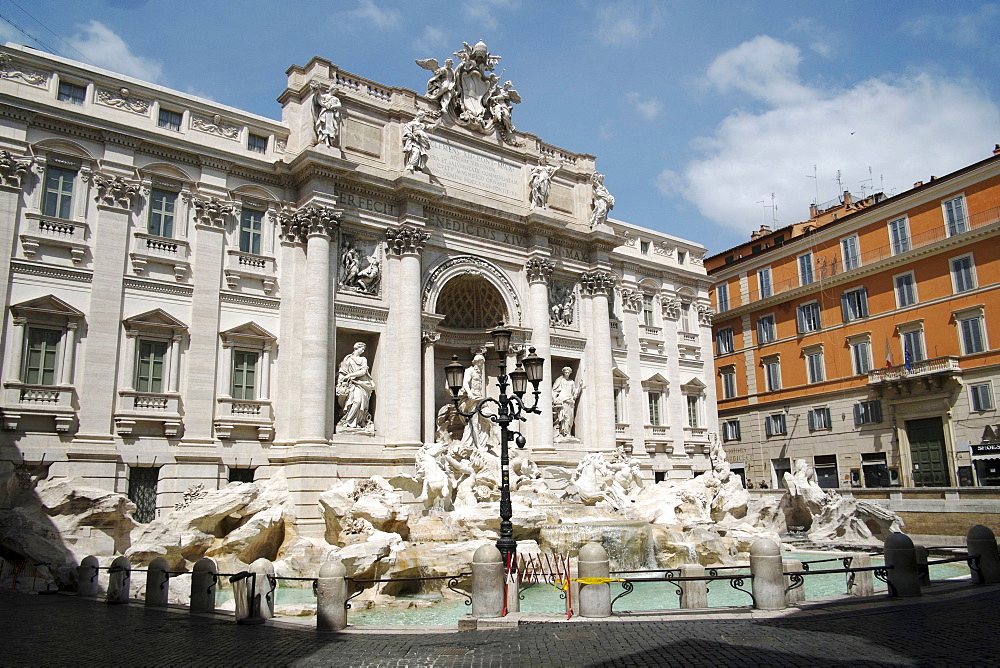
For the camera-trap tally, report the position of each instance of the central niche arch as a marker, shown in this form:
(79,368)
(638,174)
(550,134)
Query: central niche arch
(472,293)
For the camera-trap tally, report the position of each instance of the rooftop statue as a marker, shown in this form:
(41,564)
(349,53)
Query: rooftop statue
(327,111)
(604,201)
(470,94)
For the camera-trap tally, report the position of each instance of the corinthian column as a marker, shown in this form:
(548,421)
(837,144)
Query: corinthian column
(404,245)
(314,224)
(596,286)
(539,269)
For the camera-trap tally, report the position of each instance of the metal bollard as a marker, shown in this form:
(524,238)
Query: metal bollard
(694,594)
(120,574)
(87,577)
(768,579)
(981,541)
(863,583)
(901,566)
(797,594)
(331,597)
(266,586)
(157,583)
(594,599)
(204,578)
(487,582)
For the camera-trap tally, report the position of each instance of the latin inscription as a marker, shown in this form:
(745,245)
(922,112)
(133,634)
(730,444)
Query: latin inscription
(571,253)
(485,172)
(475,230)
(366,203)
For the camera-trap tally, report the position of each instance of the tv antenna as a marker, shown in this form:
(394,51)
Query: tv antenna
(815,178)
(870,181)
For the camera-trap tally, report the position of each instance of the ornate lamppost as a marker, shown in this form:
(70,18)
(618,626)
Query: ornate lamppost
(506,409)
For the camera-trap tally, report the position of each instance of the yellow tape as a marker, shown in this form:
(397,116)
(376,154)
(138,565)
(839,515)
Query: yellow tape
(564,584)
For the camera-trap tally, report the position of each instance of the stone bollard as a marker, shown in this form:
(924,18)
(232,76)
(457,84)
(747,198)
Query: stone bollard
(487,582)
(331,597)
(863,583)
(120,574)
(768,579)
(981,541)
(799,593)
(922,568)
(87,577)
(901,566)
(204,583)
(266,585)
(157,583)
(694,594)
(594,599)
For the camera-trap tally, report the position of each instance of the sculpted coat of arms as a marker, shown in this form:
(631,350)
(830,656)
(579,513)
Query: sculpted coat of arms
(471,94)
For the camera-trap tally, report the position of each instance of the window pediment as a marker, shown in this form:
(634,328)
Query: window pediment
(248,334)
(48,307)
(155,320)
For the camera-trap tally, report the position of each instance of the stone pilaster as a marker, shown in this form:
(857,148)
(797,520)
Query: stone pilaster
(631,305)
(596,286)
(538,270)
(14,173)
(404,245)
(429,340)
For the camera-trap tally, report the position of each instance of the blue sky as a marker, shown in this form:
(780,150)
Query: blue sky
(697,111)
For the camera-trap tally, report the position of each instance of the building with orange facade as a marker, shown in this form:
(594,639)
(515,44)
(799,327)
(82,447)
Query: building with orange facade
(865,340)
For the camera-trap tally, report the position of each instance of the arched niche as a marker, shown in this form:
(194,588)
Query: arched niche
(489,287)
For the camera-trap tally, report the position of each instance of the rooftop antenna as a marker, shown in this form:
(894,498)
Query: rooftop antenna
(840,186)
(815,177)
(763,221)
(774,213)
(869,181)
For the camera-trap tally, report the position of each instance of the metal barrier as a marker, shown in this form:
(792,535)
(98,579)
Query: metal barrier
(736,582)
(880,572)
(452,584)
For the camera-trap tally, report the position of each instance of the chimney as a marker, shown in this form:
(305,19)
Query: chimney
(918,184)
(996,149)
(813,211)
(754,235)
(847,198)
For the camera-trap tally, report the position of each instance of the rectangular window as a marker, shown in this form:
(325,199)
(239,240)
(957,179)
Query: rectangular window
(644,247)
(654,408)
(906,292)
(851,253)
(962,277)
(954,216)
(861,357)
(808,317)
(647,310)
(58,192)
(766,331)
(982,397)
(149,366)
(685,319)
(764,282)
(972,335)
(728,377)
(693,412)
(854,304)
(142,481)
(724,341)
(814,366)
(772,375)
(774,425)
(875,469)
(722,297)
(250,231)
(71,92)
(913,346)
(867,412)
(806,269)
(171,120)
(781,466)
(826,471)
(244,374)
(257,143)
(730,431)
(162,205)
(41,356)
(619,405)
(819,418)
(241,475)
(681,256)
(899,236)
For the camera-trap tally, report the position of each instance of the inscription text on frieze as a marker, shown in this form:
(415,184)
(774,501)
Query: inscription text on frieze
(472,229)
(366,203)
(455,163)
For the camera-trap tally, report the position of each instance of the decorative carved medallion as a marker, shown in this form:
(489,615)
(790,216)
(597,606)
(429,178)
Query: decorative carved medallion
(671,308)
(631,300)
(211,212)
(12,170)
(705,314)
(115,191)
(122,99)
(215,126)
(11,69)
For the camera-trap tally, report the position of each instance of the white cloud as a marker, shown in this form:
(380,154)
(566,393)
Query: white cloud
(106,49)
(821,40)
(430,39)
(648,108)
(626,22)
(370,13)
(972,29)
(906,129)
(480,12)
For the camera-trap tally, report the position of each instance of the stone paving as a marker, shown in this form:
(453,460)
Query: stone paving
(955,626)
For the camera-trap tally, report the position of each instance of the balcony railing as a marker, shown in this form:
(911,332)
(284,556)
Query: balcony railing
(149,249)
(249,410)
(42,230)
(247,265)
(656,432)
(921,368)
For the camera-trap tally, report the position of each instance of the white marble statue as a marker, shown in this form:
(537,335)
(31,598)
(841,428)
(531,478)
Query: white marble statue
(501,105)
(357,275)
(327,110)
(441,86)
(479,430)
(417,142)
(540,183)
(354,391)
(604,201)
(565,393)
(561,302)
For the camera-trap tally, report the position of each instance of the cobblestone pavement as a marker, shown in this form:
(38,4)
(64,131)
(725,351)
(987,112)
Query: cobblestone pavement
(958,629)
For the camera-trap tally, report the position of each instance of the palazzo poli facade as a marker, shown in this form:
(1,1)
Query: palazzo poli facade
(184,280)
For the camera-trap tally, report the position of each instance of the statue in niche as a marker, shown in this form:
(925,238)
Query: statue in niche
(326,110)
(354,390)
(417,142)
(565,393)
(562,299)
(357,274)
(540,183)
(479,430)
(604,201)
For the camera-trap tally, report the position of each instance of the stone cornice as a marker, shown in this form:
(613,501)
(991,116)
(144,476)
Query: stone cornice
(38,269)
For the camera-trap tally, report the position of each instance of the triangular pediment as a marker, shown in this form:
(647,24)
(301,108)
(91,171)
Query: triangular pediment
(695,384)
(156,318)
(248,330)
(48,306)
(618,374)
(656,379)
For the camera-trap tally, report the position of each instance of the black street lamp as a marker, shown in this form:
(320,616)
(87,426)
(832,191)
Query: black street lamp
(508,409)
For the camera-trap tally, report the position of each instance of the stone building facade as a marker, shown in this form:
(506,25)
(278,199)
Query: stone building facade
(860,340)
(184,280)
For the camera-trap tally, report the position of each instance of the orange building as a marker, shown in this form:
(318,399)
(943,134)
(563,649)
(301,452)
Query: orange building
(860,340)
